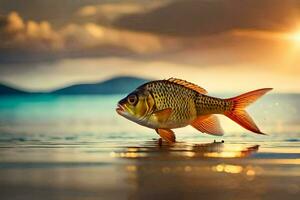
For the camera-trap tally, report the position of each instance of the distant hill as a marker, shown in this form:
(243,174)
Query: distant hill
(8,90)
(117,85)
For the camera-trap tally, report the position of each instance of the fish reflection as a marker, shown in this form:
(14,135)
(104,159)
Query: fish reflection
(186,151)
(185,170)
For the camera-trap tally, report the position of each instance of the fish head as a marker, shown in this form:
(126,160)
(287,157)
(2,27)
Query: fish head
(136,106)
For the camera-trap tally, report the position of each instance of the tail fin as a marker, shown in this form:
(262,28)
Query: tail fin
(238,113)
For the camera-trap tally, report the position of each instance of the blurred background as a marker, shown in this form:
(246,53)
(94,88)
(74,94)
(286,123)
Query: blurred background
(221,45)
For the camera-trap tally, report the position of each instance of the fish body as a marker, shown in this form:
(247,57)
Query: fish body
(174,103)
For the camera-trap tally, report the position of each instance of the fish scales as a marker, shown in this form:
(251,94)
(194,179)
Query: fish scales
(185,101)
(211,105)
(177,97)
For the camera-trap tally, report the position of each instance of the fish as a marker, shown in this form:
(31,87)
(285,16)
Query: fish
(173,103)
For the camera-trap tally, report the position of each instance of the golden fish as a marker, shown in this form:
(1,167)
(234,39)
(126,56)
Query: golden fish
(167,104)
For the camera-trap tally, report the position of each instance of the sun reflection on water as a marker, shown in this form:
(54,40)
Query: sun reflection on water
(234,169)
(187,151)
(211,158)
(223,154)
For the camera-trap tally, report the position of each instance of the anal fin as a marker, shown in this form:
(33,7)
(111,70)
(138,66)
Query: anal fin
(166,134)
(208,124)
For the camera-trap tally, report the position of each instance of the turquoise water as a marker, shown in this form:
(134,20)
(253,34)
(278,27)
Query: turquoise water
(34,117)
(77,147)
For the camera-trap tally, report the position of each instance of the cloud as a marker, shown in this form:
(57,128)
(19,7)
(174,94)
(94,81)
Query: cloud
(14,23)
(71,40)
(210,34)
(18,34)
(148,30)
(87,11)
(201,18)
(108,12)
(33,41)
(92,35)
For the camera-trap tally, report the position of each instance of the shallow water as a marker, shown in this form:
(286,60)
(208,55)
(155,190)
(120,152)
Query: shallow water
(77,147)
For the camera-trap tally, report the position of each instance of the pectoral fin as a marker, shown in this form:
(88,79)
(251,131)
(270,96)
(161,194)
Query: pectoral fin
(208,124)
(163,115)
(166,134)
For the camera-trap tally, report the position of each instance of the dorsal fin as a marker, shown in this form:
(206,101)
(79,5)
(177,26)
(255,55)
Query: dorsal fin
(189,85)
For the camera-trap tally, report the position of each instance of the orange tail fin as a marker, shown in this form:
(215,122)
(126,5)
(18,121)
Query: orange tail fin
(238,113)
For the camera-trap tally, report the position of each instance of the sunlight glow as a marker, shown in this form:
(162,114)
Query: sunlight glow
(224,154)
(232,169)
(294,36)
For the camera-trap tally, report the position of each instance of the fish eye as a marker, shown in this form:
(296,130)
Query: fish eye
(132,99)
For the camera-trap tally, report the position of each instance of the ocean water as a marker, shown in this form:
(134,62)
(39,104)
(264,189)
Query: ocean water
(77,147)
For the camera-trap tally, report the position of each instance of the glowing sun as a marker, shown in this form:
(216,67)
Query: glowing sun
(295,36)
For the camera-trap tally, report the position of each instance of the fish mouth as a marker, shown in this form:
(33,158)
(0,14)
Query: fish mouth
(120,109)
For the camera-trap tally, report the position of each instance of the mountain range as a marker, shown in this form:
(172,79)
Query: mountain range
(116,85)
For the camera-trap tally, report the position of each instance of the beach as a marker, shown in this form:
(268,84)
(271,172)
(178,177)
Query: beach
(63,148)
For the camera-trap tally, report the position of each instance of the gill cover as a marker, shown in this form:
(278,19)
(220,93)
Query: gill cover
(138,104)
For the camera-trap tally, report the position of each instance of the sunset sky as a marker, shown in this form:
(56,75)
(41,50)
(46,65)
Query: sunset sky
(222,45)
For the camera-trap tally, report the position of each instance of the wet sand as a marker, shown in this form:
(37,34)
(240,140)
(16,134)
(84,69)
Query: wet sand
(131,169)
